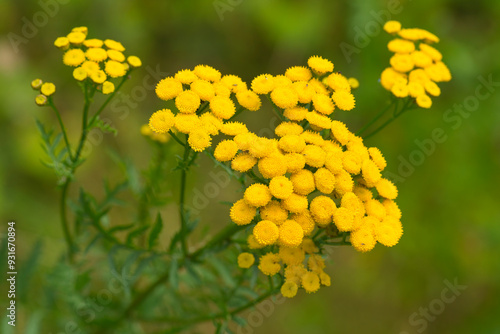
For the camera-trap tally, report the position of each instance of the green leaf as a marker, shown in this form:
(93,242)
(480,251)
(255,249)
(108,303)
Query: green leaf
(105,127)
(155,231)
(223,271)
(136,233)
(173,275)
(120,228)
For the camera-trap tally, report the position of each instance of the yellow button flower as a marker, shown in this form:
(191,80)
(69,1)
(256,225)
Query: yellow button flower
(161,121)
(245,260)
(225,150)
(290,234)
(266,232)
(320,65)
(241,213)
(187,102)
(257,195)
(48,88)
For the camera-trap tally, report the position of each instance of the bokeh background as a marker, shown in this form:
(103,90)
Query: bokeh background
(449,197)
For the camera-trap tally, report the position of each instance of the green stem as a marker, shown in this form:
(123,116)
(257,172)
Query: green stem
(396,114)
(191,321)
(367,125)
(223,235)
(275,109)
(63,128)
(184,170)
(175,137)
(64,220)
(110,97)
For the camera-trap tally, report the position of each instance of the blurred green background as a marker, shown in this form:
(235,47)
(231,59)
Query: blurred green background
(449,198)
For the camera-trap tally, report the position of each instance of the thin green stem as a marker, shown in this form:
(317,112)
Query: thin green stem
(376,118)
(185,167)
(175,138)
(238,111)
(63,128)
(396,114)
(64,220)
(110,97)
(275,109)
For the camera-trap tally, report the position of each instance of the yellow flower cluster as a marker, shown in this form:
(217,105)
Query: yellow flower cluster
(416,66)
(95,60)
(205,102)
(316,174)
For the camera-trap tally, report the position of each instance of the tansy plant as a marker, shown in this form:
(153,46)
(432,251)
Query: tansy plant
(312,186)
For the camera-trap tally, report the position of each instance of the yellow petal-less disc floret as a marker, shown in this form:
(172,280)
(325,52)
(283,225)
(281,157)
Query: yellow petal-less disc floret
(115,55)
(292,144)
(36,84)
(62,43)
(402,62)
(274,212)
(107,87)
(41,100)
(281,187)
(168,88)
(243,162)
(320,65)
(269,264)
(249,100)
(343,219)
(303,182)
(266,232)
(199,139)
(323,104)
(222,107)
(284,97)
(241,213)
(389,231)
(338,82)
(318,120)
(322,209)
(257,195)
(207,73)
(185,123)
(424,101)
(387,189)
(111,44)
(93,43)
(288,128)
(187,102)
(96,54)
(80,73)
(363,239)
(76,37)
(162,121)
(399,45)
(344,100)
(324,180)
(245,260)
(292,255)
(295,203)
(290,234)
(48,88)
(392,27)
(263,84)
(289,289)
(315,156)
(98,76)
(226,150)
(400,90)
(298,73)
(115,69)
(375,209)
(305,220)
(310,282)
(377,157)
(73,57)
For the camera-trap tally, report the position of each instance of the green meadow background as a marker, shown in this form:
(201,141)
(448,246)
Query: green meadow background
(443,276)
